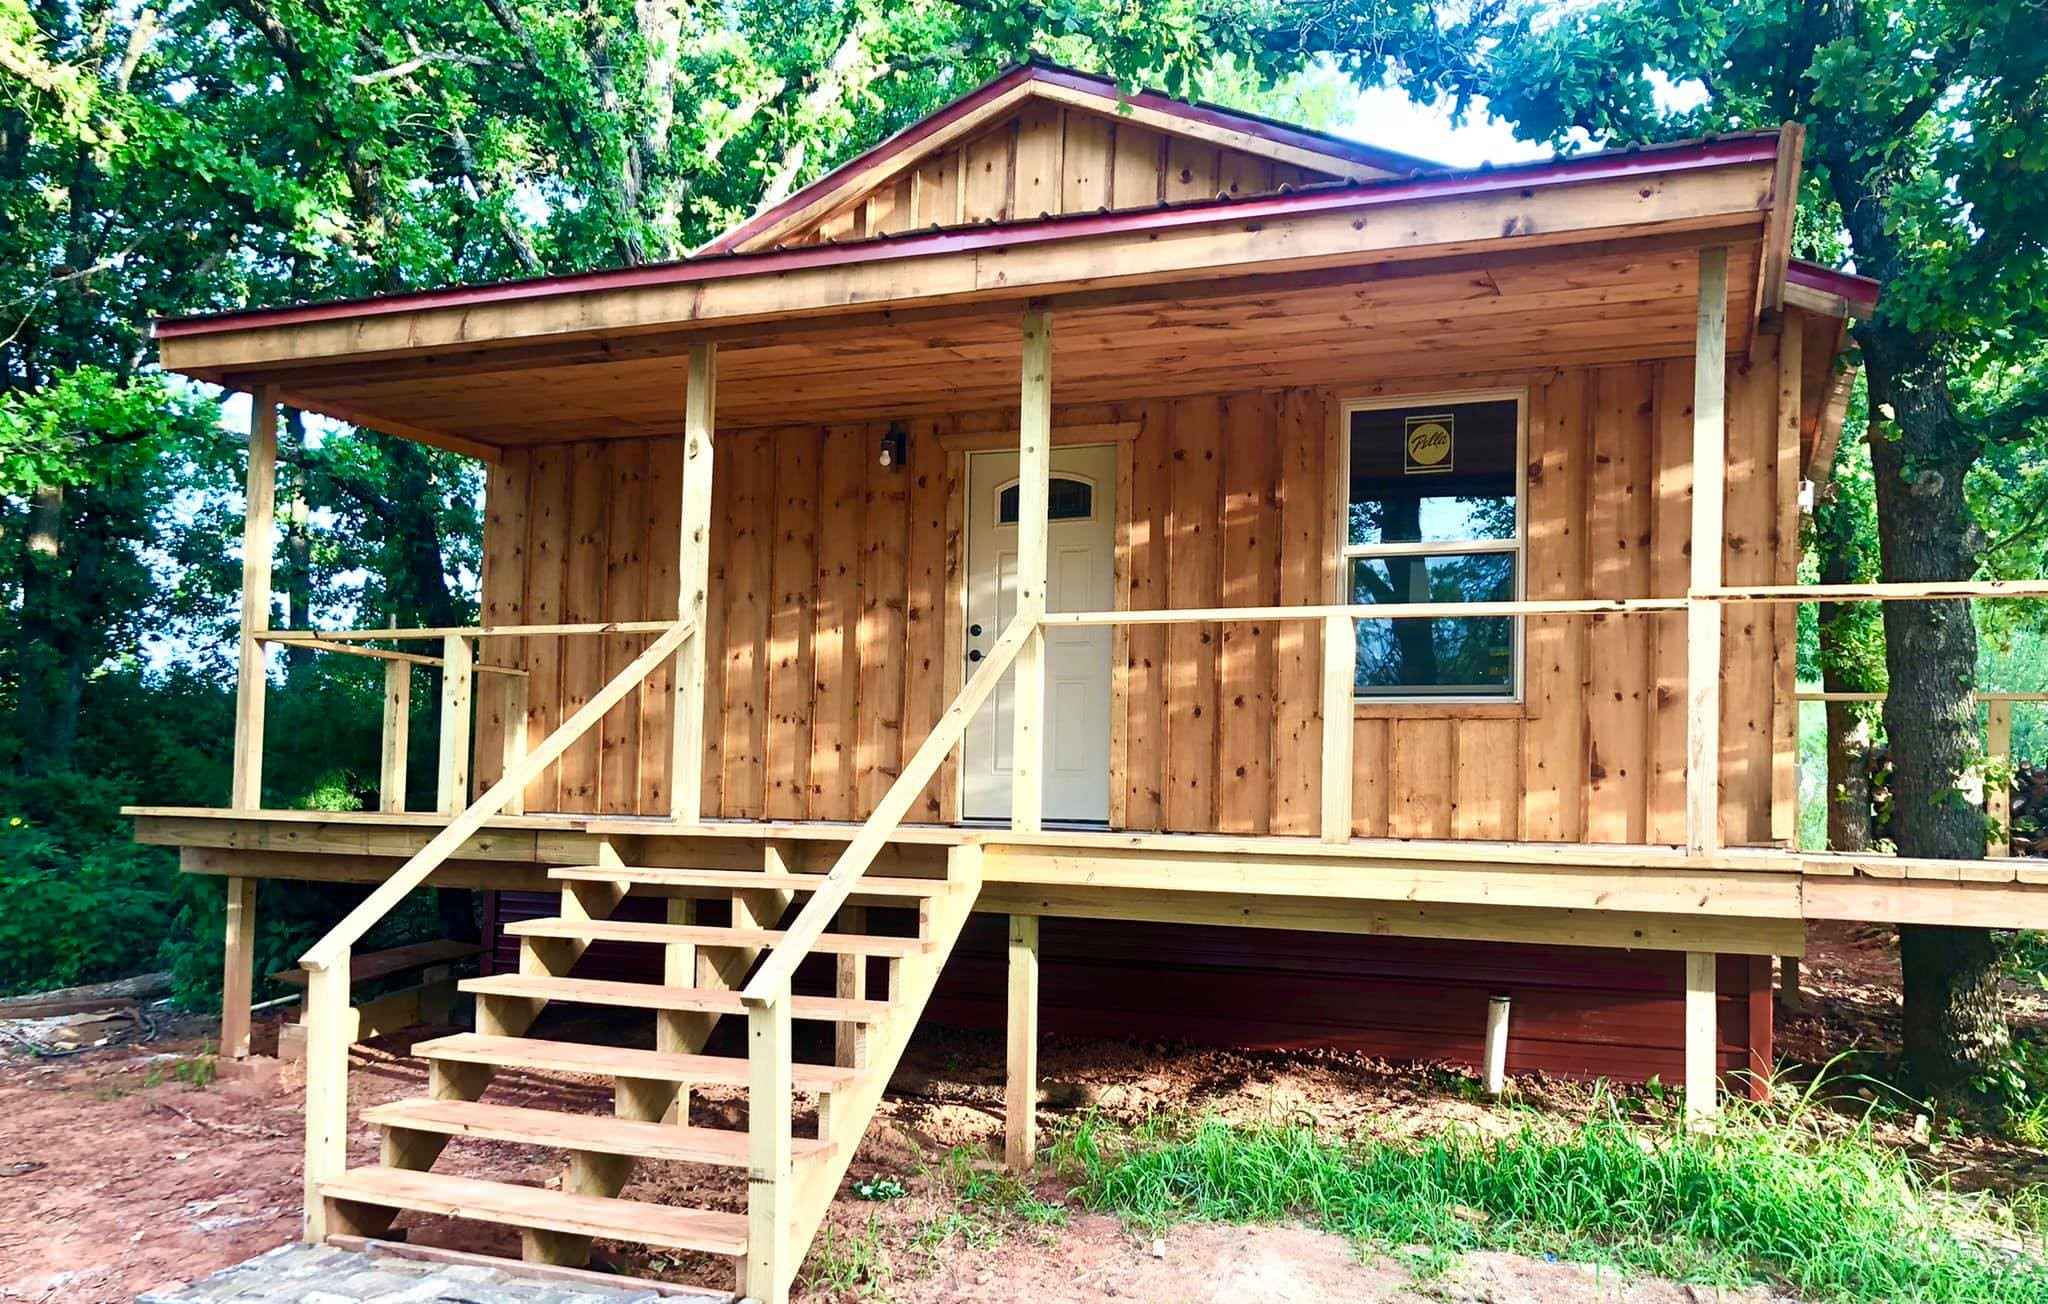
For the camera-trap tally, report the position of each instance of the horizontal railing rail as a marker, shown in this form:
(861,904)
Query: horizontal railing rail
(839,883)
(1980,695)
(439,632)
(1888,591)
(1373,611)
(385,653)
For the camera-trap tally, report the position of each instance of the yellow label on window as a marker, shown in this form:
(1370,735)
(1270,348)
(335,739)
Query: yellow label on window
(1430,439)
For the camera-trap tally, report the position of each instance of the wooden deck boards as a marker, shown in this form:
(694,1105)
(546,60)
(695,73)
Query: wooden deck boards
(1132,873)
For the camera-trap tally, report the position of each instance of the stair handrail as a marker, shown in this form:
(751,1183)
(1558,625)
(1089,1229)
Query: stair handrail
(831,893)
(414,872)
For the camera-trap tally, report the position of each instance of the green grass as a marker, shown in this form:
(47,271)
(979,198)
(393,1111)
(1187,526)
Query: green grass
(847,1264)
(1763,1198)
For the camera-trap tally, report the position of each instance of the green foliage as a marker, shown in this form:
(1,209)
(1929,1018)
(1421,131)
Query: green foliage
(879,1188)
(79,902)
(1761,1198)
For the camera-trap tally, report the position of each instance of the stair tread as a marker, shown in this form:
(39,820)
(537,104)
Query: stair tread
(706,1231)
(868,885)
(626,930)
(596,1133)
(617,1061)
(653,996)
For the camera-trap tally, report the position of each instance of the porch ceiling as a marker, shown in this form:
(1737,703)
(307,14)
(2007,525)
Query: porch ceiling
(1613,302)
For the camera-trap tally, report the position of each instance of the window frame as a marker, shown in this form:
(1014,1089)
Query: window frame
(1518,546)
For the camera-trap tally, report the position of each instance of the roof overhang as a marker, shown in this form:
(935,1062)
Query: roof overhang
(1824,290)
(1822,303)
(1569,262)
(1724,188)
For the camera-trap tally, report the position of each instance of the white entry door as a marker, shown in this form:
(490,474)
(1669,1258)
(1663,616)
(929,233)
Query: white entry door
(1080,563)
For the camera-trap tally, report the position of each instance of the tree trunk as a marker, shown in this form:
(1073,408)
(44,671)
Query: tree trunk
(1955,1022)
(46,704)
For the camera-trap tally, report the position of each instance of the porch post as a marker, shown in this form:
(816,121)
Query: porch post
(1034,493)
(1020,1081)
(1702,1035)
(769,1270)
(257,518)
(1340,675)
(693,579)
(458,681)
(238,973)
(1703,618)
(397,735)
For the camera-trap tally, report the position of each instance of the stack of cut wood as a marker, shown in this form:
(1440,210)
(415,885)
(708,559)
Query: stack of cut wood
(2030,810)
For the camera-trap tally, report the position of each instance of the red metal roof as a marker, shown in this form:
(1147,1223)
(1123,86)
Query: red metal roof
(1678,157)
(1859,290)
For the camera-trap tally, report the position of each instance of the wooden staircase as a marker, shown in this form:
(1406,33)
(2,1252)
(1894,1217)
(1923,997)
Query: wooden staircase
(791,1178)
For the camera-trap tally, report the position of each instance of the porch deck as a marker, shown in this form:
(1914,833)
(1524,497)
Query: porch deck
(1737,900)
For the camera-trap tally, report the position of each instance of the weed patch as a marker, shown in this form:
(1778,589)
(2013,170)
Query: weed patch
(1762,1198)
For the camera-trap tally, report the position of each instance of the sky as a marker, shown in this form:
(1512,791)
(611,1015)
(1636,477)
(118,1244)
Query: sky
(1388,118)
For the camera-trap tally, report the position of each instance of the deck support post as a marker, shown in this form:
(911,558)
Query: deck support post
(397,735)
(1020,1082)
(1496,1068)
(770,1168)
(1034,499)
(693,580)
(1340,673)
(1702,1035)
(850,982)
(1998,781)
(258,515)
(238,974)
(1702,618)
(458,685)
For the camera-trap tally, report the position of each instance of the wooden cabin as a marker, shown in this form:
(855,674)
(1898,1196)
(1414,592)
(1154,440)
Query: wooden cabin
(1090,553)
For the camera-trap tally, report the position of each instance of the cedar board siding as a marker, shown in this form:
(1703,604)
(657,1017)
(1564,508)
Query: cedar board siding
(1048,159)
(835,594)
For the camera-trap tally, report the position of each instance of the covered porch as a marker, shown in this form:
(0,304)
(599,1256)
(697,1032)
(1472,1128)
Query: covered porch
(737,633)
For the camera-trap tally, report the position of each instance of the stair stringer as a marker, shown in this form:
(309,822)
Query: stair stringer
(814,1184)
(607,1175)
(419,1151)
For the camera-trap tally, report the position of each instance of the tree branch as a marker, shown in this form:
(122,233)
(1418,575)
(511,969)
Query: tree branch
(414,64)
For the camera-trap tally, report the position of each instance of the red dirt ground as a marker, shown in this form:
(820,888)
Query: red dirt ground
(117,1175)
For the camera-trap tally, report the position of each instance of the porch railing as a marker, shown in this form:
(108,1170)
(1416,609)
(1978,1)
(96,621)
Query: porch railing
(1997,753)
(460,667)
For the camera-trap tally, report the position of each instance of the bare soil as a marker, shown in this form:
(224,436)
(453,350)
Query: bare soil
(117,1173)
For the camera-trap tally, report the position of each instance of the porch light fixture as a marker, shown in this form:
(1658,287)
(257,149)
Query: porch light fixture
(895,446)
